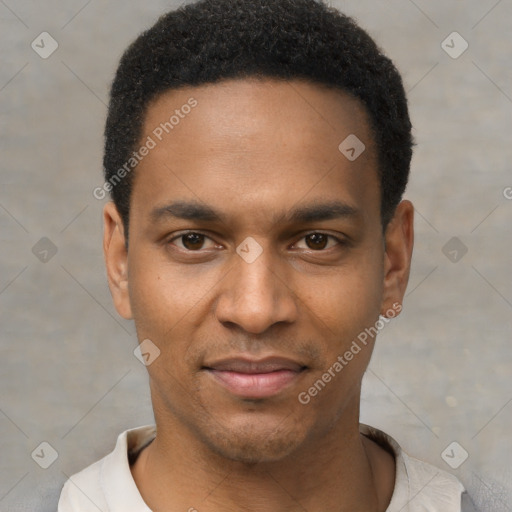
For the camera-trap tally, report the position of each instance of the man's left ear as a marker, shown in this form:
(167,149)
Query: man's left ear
(399,238)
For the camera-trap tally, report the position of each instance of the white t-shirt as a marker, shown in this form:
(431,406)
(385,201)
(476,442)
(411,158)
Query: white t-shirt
(108,485)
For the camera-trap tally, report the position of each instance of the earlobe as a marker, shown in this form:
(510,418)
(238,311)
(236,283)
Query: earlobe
(399,238)
(116,259)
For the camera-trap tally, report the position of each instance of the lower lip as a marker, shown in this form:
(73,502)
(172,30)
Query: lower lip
(255,385)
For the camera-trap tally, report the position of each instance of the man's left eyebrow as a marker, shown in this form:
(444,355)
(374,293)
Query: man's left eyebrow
(319,212)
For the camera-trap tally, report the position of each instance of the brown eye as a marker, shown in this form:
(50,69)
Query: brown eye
(317,241)
(192,241)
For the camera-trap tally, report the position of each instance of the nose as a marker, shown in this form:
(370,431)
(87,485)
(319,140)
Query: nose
(255,296)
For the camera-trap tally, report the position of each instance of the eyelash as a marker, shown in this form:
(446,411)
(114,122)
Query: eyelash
(340,241)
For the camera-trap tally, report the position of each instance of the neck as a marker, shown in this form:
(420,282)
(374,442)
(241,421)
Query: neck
(335,473)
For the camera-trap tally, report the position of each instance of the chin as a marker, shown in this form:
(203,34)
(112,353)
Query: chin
(254,443)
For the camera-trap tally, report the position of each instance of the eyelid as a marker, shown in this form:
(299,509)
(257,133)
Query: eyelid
(181,234)
(339,239)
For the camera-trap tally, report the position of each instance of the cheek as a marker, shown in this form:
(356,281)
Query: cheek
(161,294)
(163,306)
(346,315)
(149,298)
(170,303)
(347,301)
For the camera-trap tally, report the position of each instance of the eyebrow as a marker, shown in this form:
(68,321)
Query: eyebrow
(195,211)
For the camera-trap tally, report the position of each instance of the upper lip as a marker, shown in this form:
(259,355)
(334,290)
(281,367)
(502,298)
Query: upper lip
(245,365)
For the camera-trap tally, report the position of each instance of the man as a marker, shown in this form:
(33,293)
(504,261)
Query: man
(257,152)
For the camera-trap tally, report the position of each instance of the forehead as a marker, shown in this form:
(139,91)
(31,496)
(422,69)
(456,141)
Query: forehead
(252,106)
(267,140)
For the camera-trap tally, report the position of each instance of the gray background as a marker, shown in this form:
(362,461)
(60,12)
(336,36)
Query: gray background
(441,371)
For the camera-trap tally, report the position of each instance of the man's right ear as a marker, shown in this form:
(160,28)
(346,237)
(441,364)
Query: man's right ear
(116,259)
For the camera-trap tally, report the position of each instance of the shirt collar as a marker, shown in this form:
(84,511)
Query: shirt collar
(119,488)
(411,476)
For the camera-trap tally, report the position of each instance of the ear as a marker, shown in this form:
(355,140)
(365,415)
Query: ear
(399,240)
(116,259)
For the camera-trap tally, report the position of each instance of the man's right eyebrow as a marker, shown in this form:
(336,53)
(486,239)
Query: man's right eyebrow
(187,210)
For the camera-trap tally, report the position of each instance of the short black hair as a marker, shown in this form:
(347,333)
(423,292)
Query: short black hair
(213,40)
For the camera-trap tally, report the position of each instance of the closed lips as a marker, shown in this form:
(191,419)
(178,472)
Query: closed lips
(247,366)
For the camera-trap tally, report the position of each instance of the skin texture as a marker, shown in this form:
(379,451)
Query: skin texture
(255,150)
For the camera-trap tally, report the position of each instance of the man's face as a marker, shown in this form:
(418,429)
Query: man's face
(244,325)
